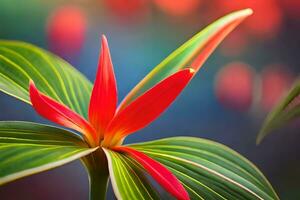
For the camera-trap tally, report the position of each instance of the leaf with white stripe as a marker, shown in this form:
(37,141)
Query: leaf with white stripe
(28,148)
(208,169)
(20,62)
(128,179)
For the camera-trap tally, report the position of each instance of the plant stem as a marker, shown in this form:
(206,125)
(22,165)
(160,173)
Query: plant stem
(98,186)
(96,165)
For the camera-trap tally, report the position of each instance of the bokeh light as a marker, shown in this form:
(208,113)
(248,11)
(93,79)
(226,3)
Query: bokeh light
(266,20)
(66,29)
(234,86)
(128,9)
(178,7)
(276,81)
(216,104)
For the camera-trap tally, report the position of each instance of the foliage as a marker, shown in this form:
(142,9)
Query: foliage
(186,168)
(286,111)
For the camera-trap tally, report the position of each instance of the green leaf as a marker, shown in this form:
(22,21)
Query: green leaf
(28,148)
(192,53)
(286,110)
(209,170)
(128,179)
(20,62)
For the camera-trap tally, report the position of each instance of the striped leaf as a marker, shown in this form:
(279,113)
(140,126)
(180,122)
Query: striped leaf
(128,179)
(192,53)
(209,170)
(20,62)
(28,148)
(286,110)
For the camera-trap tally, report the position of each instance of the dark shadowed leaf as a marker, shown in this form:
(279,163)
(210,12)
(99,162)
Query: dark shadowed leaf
(287,110)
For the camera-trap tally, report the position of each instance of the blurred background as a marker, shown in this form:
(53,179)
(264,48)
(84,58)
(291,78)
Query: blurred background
(226,102)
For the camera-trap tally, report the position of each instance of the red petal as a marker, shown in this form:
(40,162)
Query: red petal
(160,173)
(103,101)
(206,42)
(60,114)
(148,106)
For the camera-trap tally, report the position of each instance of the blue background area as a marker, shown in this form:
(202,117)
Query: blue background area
(135,49)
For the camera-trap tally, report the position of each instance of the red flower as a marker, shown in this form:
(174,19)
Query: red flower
(107,125)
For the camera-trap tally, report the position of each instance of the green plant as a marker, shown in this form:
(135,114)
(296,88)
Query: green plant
(287,110)
(186,167)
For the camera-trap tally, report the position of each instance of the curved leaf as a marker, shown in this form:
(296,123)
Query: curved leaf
(286,110)
(28,148)
(127,178)
(209,170)
(158,172)
(192,53)
(20,62)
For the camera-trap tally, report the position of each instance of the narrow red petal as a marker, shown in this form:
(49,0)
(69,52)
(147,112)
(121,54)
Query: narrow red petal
(206,42)
(160,173)
(148,106)
(60,114)
(104,95)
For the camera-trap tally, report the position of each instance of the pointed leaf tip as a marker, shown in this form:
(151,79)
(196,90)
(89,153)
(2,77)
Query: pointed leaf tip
(192,53)
(247,11)
(103,39)
(287,110)
(160,173)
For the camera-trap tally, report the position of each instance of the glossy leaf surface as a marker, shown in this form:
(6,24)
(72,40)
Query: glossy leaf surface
(127,178)
(286,111)
(158,172)
(192,53)
(28,148)
(20,62)
(209,170)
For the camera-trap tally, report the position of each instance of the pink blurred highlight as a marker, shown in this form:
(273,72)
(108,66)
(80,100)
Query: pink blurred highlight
(128,10)
(276,81)
(178,7)
(234,86)
(266,20)
(66,29)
